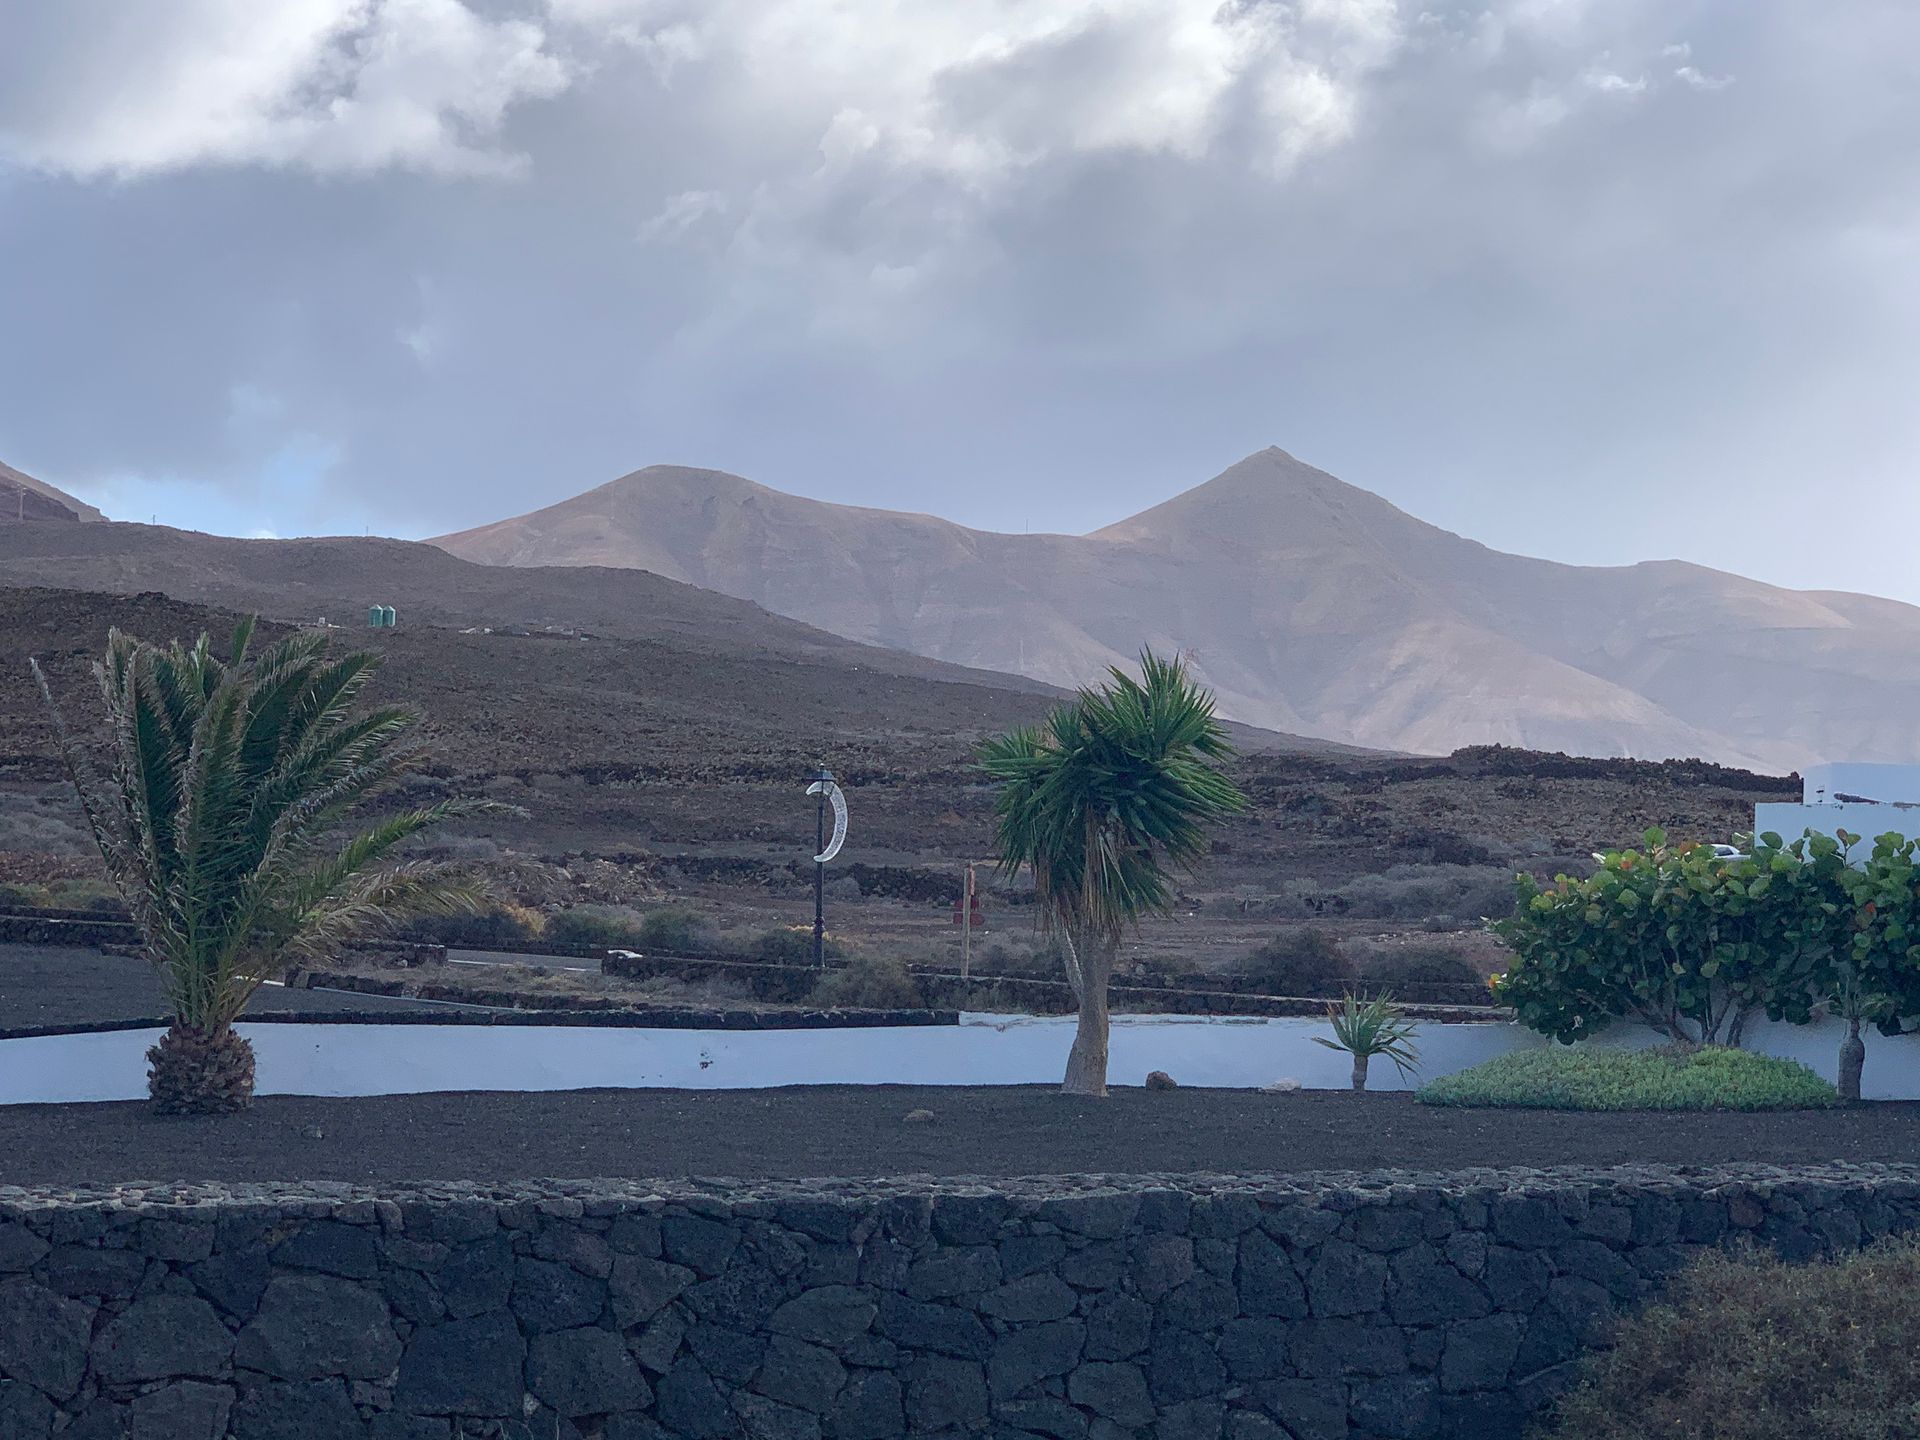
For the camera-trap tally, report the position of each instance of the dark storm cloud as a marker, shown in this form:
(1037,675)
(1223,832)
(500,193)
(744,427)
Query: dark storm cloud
(1597,280)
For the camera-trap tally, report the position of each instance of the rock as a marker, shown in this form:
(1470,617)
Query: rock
(332,1248)
(1346,1280)
(687,1403)
(801,1375)
(826,1315)
(464,1367)
(184,1410)
(1183,1366)
(1118,1327)
(312,1326)
(945,1393)
(703,1245)
(585,1372)
(870,1408)
(24,1411)
(1034,1298)
(1160,1080)
(548,1295)
(1479,1353)
(1286,1085)
(1033,1353)
(311,1410)
(1118,1392)
(1255,1349)
(1398,1408)
(43,1338)
(918,1117)
(764,1419)
(1267,1281)
(640,1287)
(20,1248)
(163,1337)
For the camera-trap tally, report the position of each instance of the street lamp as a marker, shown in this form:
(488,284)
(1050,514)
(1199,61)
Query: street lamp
(826,793)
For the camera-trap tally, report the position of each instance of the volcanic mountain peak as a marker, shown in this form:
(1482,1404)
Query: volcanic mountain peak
(24,498)
(1310,605)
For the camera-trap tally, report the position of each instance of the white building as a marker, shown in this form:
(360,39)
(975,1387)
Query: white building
(1864,800)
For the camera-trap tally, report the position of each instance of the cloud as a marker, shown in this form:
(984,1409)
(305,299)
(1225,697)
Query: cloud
(1015,261)
(325,85)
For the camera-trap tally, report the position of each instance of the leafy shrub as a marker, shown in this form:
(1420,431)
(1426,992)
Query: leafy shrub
(1679,940)
(784,946)
(592,928)
(869,982)
(1306,961)
(1752,1348)
(1422,966)
(1559,1078)
(675,929)
(495,927)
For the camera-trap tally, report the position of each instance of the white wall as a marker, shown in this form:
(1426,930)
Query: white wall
(346,1059)
(1869,822)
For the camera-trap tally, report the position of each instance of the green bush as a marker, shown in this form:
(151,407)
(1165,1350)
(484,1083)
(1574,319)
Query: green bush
(1582,1078)
(592,928)
(1300,962)
(495,927)
(1678,940)
(782,946)
(1752,1348)
(868,983)
(675,929)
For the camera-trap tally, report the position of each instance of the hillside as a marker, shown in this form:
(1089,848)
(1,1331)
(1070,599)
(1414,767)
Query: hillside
(24,498)
(1310,605)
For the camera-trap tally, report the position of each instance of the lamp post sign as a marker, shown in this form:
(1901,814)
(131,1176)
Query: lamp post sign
(825,794)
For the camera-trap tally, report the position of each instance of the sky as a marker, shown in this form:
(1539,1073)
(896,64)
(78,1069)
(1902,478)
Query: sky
(1600,280)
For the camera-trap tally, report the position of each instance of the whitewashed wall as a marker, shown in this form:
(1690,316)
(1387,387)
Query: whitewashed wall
(344,1059)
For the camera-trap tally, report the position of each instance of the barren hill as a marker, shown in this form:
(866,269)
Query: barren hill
(1312,606)
(24,498)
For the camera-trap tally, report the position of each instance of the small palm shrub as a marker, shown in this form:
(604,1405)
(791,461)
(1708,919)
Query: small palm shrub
(223,826)
(1366,1028)
(1752,1348)
(1561,1077)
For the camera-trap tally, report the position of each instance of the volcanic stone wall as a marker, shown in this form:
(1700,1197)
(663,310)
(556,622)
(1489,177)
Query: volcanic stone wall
(1179,1308)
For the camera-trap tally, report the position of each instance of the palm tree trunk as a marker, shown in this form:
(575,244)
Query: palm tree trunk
(1853,1057)
(1087,1061)
(195,1071)
(1360,1072)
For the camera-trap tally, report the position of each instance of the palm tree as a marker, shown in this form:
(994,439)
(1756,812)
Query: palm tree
(1103,801)
(221,824)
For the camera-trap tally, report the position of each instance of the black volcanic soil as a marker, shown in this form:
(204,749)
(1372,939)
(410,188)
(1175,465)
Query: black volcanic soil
(820,1131)
(666,759)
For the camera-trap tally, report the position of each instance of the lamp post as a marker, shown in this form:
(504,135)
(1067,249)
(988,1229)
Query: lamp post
(825,793)
(822,784)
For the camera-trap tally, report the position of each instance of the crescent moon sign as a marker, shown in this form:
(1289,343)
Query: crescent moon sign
(839,802)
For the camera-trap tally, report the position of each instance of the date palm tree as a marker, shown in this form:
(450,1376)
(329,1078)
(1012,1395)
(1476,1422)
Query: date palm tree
(221,824)
(1104,801)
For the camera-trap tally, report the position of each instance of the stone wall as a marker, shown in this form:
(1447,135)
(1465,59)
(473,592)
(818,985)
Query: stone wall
(1179,1308)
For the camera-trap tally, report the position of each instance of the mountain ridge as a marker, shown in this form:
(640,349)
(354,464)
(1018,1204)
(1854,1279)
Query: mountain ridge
(1311,605)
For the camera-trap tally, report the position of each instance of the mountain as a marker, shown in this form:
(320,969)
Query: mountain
(24,498)
(1310,605)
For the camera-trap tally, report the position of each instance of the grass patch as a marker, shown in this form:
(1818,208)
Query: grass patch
(1582,1078)
(1752,1348)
